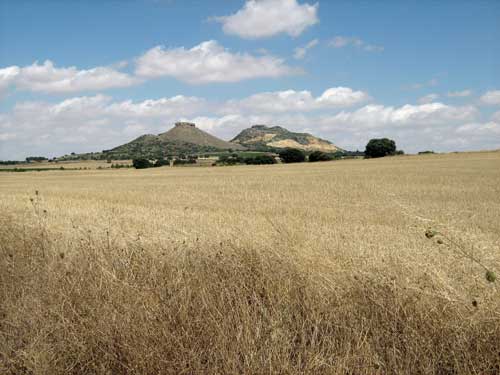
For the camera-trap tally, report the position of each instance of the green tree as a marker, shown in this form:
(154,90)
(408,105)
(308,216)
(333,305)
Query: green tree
(319,156)
(380,147)
(292,155)
(260,159)
(141,163)
(161,162)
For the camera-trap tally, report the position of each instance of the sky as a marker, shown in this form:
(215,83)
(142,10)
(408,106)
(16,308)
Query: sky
(82,76)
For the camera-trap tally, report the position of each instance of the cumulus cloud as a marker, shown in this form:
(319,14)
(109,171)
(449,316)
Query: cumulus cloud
(428,98)
(296,101)
(94,123)
(7,77)
(374,115)
(459,94)
(209,62)
(87,123)
(344,41)
(491,97)
(265,18)
(300,52)
(48,78)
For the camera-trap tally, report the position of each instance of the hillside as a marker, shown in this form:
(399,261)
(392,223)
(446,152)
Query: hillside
(262,137)
(183,138)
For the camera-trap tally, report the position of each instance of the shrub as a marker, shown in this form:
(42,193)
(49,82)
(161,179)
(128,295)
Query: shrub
(292,155)
(161,162)
(141,163)
(260,159)
(319,156)
(380,147)
(230,159)
(184,162)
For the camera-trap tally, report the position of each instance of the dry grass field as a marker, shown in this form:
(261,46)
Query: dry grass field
(87,164)
(314,268)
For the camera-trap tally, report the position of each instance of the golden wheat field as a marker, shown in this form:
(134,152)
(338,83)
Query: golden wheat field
(314,268)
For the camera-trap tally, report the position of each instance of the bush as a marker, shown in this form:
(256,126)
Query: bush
(260,159)
(319,156)
(292,155)
(184,162)
(377,148)
(161,162)
(141,163)
(230,159)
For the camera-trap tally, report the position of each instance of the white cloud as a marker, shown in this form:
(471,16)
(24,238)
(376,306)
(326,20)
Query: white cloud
(373,115)
(49,79)
(209,62)
(157,108)
(428,98)
(265,18)
(474,129)
(342,97)
(94,123)
(87,123)
(7,136)
(459,94)
(296,101)
(300,52)
(491,97)
(344,41)
(7,77)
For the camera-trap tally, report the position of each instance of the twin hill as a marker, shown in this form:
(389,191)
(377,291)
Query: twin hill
(186,139)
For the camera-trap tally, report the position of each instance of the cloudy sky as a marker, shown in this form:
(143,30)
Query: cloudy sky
(80,76)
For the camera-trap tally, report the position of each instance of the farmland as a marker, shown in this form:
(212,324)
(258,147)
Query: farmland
(306,268)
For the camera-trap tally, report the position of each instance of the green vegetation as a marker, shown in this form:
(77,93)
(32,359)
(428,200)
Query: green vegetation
(260,159)
(319,156)
(292,155)
(31,159)
(11,162)
(141,163)
(184,161)
(239,158)
(161,162)
(377,148)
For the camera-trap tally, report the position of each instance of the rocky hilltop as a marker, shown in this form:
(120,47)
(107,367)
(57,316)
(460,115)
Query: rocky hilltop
(183,138)
(262,137)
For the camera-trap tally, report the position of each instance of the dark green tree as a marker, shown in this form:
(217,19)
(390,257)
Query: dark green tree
(260,159)
(319,156)
(141,163)
(380,147)
(292,155)
(161,162)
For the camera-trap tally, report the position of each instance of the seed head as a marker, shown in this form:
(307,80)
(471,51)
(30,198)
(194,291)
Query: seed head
(490,276)
(429,233)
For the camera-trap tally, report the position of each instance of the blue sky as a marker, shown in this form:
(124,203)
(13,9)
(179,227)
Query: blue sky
(85,76)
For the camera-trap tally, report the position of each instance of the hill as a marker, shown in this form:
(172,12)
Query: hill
(262,137)
(183,138)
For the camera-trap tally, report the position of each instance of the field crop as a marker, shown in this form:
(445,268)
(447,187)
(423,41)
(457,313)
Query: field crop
(354,266)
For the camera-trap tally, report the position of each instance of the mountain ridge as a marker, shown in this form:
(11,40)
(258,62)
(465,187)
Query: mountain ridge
(262,137)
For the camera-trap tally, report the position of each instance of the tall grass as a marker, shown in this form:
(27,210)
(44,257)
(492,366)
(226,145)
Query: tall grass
(99,308)
(83,300)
